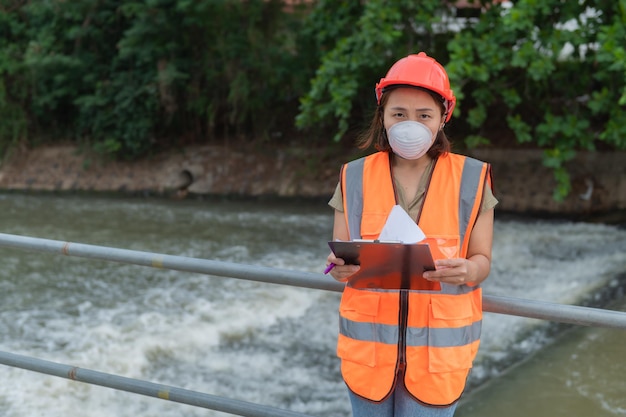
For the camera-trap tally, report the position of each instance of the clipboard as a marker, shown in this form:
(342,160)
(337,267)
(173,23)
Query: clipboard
(387,265)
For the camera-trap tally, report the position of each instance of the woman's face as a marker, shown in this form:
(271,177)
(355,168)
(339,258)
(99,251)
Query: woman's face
(407,103)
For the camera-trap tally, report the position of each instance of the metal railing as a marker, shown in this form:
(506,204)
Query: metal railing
(585,316)
(543,310)
(136,386)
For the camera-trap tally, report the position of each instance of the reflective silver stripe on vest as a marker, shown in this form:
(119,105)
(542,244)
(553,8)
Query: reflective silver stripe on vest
(443,337)
(415,336)
(354,199)
(451,289)
(470,179)
(369,332)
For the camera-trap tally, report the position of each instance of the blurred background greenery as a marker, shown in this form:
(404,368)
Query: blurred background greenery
(130,78)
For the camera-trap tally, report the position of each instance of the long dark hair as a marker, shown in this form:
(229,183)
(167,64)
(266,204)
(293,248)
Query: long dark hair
(376,135)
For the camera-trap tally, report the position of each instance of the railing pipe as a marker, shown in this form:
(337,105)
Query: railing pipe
(178,263)
(585,316)
(146,388)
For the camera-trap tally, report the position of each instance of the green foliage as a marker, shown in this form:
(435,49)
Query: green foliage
(75,83)
(553,72)
(13,92)
(128,77)
(556,71)
(366,39)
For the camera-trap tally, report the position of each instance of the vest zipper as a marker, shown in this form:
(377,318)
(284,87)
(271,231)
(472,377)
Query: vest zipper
(404,312)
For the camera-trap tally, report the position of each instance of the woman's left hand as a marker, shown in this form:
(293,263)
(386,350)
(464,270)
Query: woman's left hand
(457,271)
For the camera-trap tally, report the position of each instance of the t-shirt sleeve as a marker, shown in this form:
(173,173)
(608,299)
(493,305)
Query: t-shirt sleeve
(336,201)
(489,200)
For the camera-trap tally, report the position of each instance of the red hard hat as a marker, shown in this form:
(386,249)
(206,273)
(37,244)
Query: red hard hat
(419,70)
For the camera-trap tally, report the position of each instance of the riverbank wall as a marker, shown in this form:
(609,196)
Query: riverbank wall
(522,184)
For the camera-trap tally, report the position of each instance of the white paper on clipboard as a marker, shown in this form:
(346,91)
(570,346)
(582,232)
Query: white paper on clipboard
(401,227)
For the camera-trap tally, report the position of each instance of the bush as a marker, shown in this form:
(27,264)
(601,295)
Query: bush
(554,71)
(13,89)
(128,77)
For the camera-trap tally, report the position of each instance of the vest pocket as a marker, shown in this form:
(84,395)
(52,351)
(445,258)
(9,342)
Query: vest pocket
(357,340)
(361,353)
(450,339)
(372,224)
(444,246)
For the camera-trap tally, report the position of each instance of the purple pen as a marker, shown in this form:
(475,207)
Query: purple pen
(329,267)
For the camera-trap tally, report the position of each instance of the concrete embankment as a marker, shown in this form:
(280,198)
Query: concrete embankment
(522,184)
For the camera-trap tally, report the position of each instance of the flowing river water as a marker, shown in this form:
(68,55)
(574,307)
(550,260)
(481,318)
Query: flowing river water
(272,344)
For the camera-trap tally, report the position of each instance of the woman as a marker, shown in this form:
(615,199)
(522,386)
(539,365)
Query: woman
(408,352)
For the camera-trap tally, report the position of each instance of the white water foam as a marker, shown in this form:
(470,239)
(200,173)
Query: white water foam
(250,341)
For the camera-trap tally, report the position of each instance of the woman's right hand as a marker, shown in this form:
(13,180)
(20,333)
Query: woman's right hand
(340,271)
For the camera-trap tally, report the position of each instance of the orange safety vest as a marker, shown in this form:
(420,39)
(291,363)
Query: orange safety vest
(429,337)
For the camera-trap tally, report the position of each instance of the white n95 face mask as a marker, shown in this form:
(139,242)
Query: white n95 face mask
(409,139)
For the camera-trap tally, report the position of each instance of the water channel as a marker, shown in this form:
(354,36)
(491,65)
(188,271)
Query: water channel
(272,344)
